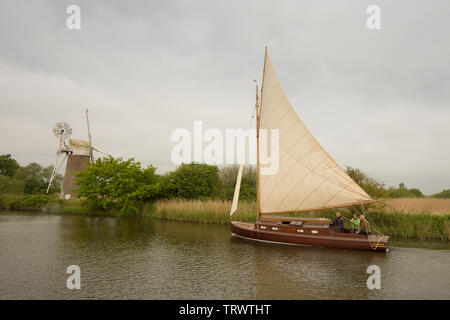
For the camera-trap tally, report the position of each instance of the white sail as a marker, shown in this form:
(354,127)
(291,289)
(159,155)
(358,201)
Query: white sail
(307,178)
(234,205)
(237,188)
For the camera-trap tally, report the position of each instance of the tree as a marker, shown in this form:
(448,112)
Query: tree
(443,194)
(10,185)
(228,177)
(115,183)
(56,183)
(195,181)
(37,178)
(32,175)
(374,188)
(403,192)
(168,188)
(8,166)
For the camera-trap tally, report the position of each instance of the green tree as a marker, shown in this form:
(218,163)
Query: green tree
(228,177)
(8,166)
(443,194)
(168,188)
(374,188)
(195,181)
(56,183)
(10,185)
(115,183)
(403,192)
(37,178)
(32,175)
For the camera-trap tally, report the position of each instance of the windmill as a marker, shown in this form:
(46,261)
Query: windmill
(77,154)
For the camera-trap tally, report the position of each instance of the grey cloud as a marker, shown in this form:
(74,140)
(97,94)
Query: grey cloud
(376,100)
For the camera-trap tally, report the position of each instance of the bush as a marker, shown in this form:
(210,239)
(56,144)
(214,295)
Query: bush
(194,181)
(26,202)
(114,183)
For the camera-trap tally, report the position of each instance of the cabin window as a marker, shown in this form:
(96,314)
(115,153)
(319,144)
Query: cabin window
(314,231)
(262,227)
(300,230)
(274,228)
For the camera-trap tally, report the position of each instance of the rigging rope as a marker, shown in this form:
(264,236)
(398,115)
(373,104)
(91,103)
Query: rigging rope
(380,234)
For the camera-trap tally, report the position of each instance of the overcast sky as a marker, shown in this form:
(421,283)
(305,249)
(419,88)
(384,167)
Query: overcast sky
(377,100)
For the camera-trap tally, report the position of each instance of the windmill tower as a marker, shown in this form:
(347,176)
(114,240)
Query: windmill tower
(77,154)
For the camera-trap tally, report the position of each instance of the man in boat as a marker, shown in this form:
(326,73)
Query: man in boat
(339,222)
(355,222)
(364,227)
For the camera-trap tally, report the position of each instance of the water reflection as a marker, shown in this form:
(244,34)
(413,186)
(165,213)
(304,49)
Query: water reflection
(142,258)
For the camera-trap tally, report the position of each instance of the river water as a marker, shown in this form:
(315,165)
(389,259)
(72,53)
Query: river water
(144,258)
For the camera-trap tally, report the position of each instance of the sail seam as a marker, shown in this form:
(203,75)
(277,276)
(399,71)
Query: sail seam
(303,201)
(342,187)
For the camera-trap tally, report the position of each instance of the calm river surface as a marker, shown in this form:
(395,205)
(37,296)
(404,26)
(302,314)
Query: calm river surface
(143,258)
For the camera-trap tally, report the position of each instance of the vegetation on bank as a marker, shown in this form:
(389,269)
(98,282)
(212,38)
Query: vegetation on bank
(388,220)
(203,193)
(117,184)
(443,194)
(30,179)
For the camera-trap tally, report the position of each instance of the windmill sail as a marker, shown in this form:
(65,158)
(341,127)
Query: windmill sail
(307,178)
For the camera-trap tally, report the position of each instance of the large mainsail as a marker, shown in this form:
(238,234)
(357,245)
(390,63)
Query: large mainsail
(307,178)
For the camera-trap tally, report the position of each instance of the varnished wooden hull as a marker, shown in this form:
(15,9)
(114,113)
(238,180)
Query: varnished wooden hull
(320,237)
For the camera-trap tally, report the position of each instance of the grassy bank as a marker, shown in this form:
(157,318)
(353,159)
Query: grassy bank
(422,223)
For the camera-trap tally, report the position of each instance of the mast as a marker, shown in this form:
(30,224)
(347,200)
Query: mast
(257,154)
(258,120)
(91,155)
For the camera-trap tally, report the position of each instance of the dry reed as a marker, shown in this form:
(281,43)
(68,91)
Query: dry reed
(418,205)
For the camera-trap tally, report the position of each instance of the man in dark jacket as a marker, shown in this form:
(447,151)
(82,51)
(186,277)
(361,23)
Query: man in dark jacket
(339,222)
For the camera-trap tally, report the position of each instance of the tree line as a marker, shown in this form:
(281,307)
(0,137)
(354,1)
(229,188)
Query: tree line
(126,184)
(30,179)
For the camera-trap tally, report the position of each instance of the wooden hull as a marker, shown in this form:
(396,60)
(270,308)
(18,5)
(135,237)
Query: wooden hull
(309,235)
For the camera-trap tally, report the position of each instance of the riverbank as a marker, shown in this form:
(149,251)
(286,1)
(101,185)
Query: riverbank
(424,224)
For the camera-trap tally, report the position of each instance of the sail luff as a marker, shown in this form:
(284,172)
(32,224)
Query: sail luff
(258,123)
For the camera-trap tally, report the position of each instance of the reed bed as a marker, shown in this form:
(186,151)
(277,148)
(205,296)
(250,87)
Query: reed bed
(418,205)
(419,218)
(392,222)
(205,211)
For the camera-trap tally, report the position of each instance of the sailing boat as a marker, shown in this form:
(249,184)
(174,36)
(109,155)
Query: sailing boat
(308,179)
